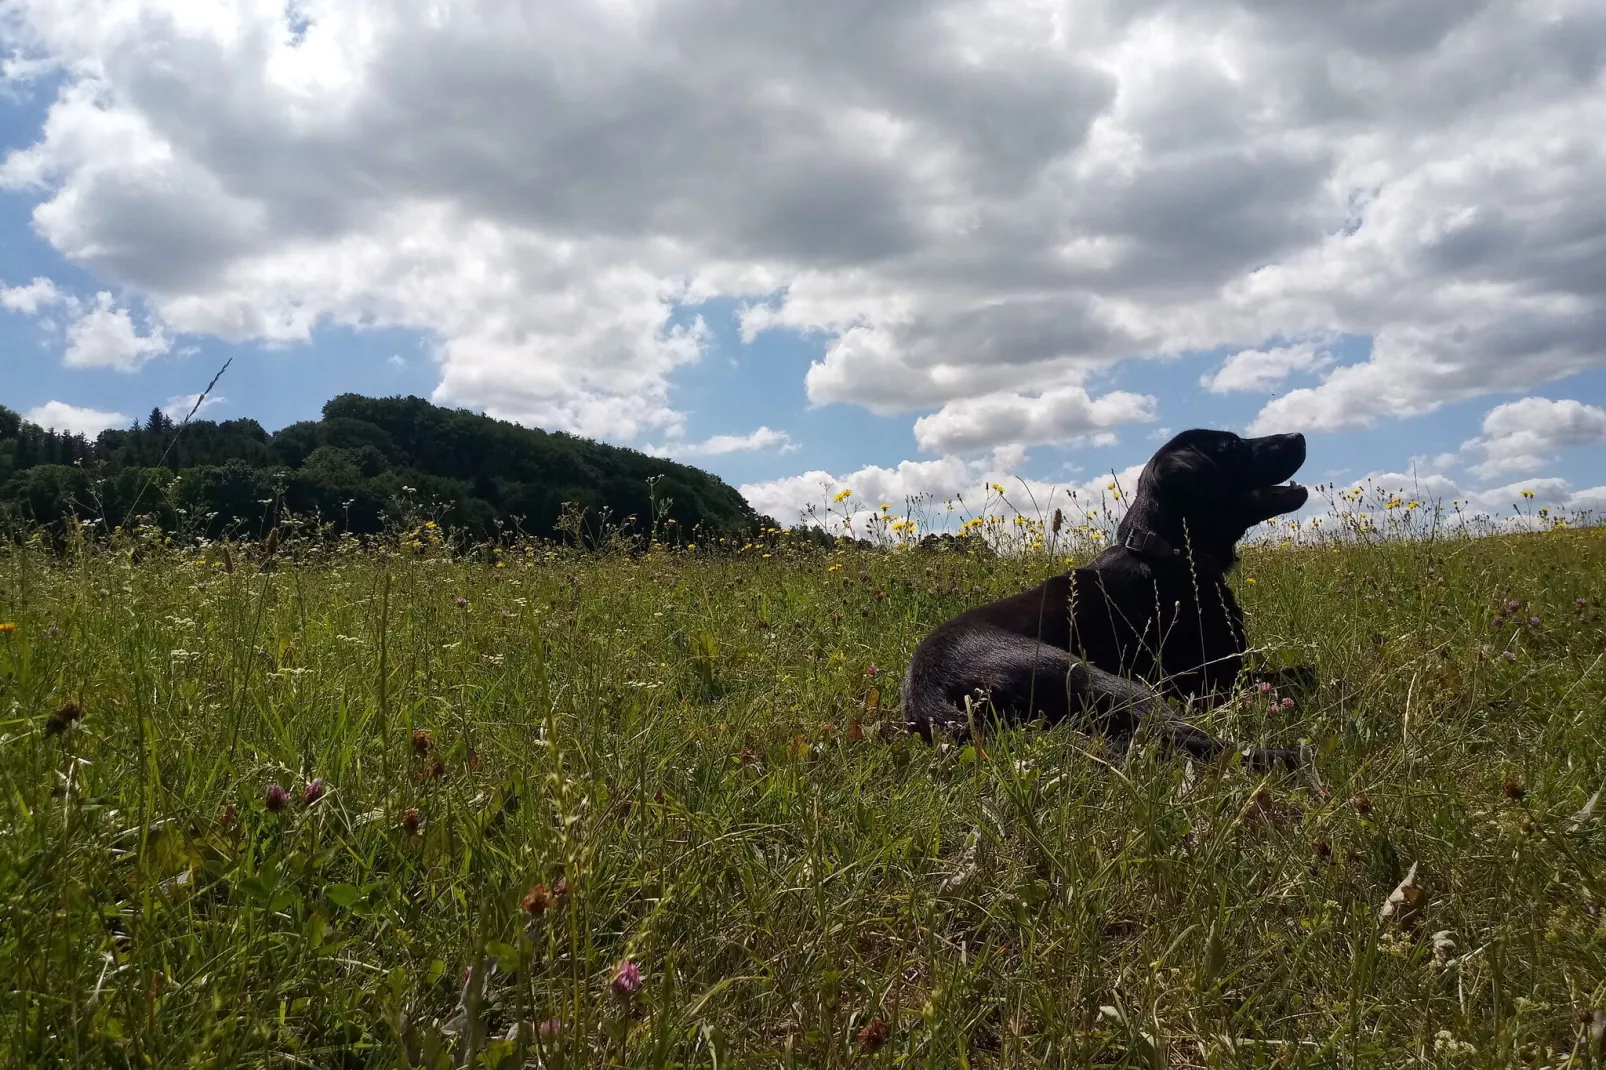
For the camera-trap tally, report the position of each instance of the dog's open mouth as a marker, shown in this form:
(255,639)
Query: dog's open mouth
(1282,498)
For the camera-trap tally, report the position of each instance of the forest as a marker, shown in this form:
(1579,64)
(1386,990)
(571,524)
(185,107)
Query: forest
(364,464)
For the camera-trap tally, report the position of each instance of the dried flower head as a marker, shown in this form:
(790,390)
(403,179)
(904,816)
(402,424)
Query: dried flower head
(423,742)
(411,822)
(67,714)
(537,901)
(1362,805)
(873,1036)
(1512,788)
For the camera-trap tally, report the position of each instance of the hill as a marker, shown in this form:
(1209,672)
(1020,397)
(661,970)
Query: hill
(363,464)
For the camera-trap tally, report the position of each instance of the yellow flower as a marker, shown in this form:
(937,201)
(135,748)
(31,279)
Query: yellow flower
(845,494)
(8,626)
(999,487)
(1527,494)
(1250,580)
(885,507)
(1110,487)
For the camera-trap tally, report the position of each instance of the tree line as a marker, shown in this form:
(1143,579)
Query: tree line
(366,464)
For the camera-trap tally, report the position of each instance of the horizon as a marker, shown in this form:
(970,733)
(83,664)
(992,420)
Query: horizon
(793,252)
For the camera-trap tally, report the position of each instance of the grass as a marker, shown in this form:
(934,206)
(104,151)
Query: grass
(699,760)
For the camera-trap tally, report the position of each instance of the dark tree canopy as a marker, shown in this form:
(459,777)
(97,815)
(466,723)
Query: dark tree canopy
(355,467)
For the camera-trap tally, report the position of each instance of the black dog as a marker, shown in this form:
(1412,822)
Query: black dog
(1152,611)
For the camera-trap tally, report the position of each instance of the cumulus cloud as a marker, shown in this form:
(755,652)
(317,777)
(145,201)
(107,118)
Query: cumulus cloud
(1259,369)
(32,297)
(1065,415)
(1520,435)
(1510,501)
(1591,499)
(74,419)
(927,489)
(764,438)
(963,200)
(105,336)
(179,406)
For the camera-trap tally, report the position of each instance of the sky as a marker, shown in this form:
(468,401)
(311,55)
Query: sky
(909,248)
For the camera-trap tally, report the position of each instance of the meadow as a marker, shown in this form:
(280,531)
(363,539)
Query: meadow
(332,802)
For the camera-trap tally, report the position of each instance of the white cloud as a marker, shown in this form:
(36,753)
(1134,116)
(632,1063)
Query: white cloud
(1592,499)
(1063,415)
(396,360)
(180,405)
(1258,369)
(105,337)
(74,419)
(1518,436)
(924,488)
(764,438)
(966,200)
(31,298)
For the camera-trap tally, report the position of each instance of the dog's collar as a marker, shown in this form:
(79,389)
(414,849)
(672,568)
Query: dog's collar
(1155,548)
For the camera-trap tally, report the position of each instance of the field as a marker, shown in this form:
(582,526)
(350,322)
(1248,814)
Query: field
(389,805)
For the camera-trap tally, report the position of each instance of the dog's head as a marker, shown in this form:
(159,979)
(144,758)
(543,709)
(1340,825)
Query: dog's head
(1219,485)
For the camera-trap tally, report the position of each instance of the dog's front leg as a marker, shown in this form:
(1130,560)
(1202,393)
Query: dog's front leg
(1120,706)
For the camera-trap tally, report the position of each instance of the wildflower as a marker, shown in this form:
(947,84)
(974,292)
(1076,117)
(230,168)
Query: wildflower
(1265,688)
(1508,655)
(1512,788)
(8,626)
(423,742)
(1288,703)
(537,901)
(411,821)
(227,817)
(1533,622)
(460,602)
(1580,602)
(1362,805)
(276,798)
(550,1029)
(312,792)
(872,671)
(560,891)
(1513,606)
(843,495)
(626,980)
(873,1036)
(1499,622)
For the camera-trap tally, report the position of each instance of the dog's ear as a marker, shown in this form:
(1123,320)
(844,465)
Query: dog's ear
(1181,471)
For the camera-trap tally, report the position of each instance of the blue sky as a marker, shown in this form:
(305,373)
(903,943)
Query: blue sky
(1023,259)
